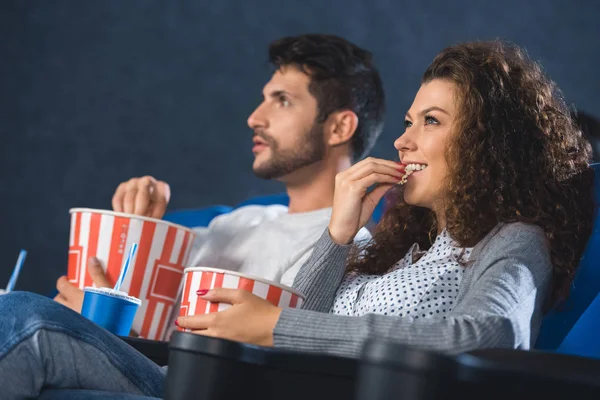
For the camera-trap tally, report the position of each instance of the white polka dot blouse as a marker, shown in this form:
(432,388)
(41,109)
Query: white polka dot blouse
(421,285)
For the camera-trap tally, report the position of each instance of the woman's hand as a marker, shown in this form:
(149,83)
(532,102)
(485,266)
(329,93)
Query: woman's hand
(250,319)
(352,205)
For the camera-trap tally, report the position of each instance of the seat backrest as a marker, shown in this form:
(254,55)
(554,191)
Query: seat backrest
(199,217)
(583,338)
(196,217)
(586,285)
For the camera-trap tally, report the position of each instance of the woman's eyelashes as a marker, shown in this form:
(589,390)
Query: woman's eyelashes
(429,120)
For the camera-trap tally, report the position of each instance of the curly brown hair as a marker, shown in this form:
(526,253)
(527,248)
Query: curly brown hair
(515,156)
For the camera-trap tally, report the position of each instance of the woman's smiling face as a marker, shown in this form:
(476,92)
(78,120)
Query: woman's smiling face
(428,125)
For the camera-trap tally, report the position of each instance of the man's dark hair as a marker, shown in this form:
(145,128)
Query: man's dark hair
(342,77)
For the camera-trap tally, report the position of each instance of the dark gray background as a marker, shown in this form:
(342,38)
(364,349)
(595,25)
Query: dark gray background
(95,92)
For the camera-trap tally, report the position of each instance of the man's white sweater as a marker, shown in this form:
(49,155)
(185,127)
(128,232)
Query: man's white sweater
(264,241)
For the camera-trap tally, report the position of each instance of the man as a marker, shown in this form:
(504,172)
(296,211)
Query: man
(323,109)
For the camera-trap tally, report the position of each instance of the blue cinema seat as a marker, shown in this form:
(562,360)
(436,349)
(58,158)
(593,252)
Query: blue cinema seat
(584,338)
(196,217)
(574,327)
(202,216)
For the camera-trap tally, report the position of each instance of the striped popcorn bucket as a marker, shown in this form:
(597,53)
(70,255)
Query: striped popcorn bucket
(196,278)
(154,274)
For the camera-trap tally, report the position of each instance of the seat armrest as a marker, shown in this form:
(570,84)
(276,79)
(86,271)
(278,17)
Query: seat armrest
(520,373)
(531,365)
(155,350)
(209,368)
(392,370)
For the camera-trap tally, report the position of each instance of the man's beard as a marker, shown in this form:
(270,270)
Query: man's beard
(310,150)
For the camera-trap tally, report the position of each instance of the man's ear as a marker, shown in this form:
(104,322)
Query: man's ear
(340,127)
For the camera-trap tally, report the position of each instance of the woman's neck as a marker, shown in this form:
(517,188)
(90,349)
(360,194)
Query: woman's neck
(440,218)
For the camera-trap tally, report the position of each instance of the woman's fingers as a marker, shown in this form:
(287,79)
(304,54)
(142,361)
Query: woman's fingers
(196,322)
(375,195)
(371,166)
(361,185)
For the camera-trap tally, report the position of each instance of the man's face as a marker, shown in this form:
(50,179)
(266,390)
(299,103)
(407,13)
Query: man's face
(286,136)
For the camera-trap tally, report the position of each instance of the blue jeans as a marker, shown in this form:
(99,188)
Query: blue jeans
(44,345)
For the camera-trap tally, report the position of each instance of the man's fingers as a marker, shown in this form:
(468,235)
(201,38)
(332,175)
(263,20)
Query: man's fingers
(69,295)
(97,273)
(163,190)
(117,200)
(129,199)
(160,199)
(66,289)
(69,304)
(60,299)
(143,198)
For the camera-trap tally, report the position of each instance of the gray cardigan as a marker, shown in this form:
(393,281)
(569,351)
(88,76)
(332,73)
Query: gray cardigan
(499,303)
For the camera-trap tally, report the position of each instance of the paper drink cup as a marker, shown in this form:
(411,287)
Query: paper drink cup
(196,278)
(111,309)
(156,271)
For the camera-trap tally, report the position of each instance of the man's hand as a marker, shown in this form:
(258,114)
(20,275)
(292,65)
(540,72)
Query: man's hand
(250,319)
(71,296)
(144,196)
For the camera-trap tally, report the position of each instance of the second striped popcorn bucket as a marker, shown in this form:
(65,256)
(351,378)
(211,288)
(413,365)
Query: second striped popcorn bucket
(196,278)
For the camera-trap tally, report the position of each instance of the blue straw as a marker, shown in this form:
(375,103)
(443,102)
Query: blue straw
(126,266)
(15,274)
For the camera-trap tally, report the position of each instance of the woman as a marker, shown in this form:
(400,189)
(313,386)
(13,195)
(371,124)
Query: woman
(501,182)
(487,231)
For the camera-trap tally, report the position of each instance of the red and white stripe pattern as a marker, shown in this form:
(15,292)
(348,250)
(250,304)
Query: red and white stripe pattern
(155,274)
(198,278)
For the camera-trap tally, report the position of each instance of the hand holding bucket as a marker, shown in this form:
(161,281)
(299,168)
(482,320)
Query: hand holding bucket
(202,278)
(156,272)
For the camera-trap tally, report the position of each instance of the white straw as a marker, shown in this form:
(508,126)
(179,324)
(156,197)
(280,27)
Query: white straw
(16,271)
(126,266)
